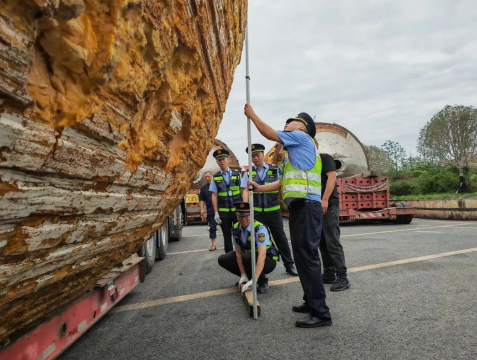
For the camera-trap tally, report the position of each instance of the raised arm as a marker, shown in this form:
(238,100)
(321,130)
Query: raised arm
(264,129)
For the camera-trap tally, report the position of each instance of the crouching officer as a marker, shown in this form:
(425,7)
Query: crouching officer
(225,189)
(266,205)
(240,262)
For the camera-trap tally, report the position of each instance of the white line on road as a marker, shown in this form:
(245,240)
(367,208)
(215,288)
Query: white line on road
(202,295)
(343,236)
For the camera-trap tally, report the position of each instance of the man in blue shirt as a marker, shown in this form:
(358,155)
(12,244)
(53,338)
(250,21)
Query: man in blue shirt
(207,210)
(240,261)
(267,205)
(301,192)
(225,189)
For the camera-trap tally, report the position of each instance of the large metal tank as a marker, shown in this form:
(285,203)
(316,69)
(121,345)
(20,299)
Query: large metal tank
(337,141)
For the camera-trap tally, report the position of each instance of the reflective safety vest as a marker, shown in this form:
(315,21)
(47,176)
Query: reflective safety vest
(272,250)
(229,194)
(267,201)
(299,183)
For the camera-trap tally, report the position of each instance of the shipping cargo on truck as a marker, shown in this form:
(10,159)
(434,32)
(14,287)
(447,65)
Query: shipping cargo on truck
(363,194)
(107,110)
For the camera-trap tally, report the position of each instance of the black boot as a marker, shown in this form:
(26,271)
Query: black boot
(312,321)
(303,308)
(340,284)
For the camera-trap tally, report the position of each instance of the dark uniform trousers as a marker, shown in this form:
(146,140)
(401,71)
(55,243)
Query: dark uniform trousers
(228,220)
(305,231)
(274,221)
(331,249)
(229,262)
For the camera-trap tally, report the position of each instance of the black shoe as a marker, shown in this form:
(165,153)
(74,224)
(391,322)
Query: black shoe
(291,270)
(262,289)
(312,321)
(328,278)
(340,284)
(303,308)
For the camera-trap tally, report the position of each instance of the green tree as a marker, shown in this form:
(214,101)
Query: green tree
(378,159)
(451,137)
(397,154)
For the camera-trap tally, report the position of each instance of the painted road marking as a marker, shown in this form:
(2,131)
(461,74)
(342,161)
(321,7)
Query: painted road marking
(202,295)
(343,236)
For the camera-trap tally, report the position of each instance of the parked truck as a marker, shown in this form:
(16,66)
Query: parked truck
(364,195)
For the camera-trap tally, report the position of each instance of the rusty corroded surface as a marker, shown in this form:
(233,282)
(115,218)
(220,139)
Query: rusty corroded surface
(108,110)
(336,141)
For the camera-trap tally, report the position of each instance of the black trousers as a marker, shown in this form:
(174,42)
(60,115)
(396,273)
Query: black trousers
(229,262)
(331,249)
(305,230)
(228,219)
(274,221)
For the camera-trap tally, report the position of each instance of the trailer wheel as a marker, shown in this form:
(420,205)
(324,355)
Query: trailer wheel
(402,219)
(162,241)
(148,252)
(176,229)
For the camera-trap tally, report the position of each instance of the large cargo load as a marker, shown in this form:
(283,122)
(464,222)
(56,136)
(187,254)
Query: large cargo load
(363,194)
(108,110)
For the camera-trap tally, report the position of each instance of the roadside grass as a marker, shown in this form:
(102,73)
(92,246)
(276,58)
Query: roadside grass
(442,196)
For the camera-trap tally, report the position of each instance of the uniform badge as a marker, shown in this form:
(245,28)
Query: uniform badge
(261,237)
(219,152)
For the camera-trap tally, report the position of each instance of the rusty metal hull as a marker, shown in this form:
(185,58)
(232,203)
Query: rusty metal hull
(108,109)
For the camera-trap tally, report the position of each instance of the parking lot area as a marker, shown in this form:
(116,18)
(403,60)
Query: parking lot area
(413,296)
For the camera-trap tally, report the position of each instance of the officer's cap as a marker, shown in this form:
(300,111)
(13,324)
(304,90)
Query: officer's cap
(242,209)
(256,148)
(306,120)
(220,154)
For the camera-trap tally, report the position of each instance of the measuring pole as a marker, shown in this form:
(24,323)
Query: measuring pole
(250,201)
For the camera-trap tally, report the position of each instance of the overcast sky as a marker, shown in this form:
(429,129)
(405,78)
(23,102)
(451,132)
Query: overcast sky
(380,68)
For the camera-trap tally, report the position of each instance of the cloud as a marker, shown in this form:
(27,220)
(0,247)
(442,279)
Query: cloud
(379,68)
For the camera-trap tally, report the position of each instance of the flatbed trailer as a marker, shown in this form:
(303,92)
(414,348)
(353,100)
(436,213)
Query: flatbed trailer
(54,336)
(48,340)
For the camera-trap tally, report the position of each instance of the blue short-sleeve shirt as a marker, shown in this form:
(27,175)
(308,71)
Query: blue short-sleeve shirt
(302,152)
(261,230)
(227,175)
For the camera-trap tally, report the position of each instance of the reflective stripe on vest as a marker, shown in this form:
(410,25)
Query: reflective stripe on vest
(299,183)
(266,201)
(273,252)
(225,203)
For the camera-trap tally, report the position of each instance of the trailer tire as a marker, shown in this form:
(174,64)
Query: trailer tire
(148,252)
(402,219)
(176,229)
(162,241)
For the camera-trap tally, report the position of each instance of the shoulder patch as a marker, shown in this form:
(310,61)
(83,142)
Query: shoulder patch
(261,237)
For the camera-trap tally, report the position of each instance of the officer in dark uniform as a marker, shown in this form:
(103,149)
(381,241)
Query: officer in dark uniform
(225,189)
(301,192)
(266,205)
(240,261)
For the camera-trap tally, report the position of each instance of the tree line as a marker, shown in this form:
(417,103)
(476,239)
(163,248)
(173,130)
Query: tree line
(447,152)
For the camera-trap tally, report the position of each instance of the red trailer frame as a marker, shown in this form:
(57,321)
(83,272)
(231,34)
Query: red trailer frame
(54,336)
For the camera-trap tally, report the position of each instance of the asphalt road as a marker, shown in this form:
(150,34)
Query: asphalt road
(418,308)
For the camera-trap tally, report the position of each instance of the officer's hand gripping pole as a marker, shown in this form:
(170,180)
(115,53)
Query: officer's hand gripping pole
(252,217)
